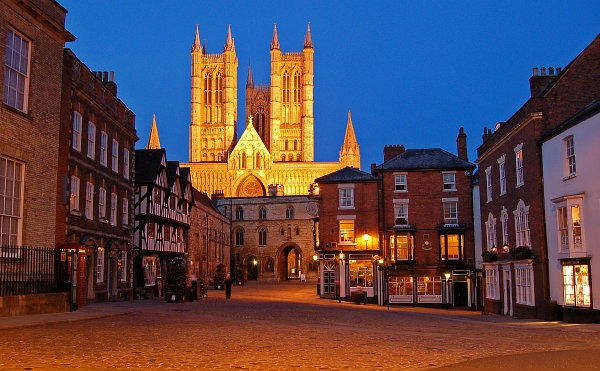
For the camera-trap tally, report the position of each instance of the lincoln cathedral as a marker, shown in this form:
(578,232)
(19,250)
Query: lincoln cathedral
(277,145)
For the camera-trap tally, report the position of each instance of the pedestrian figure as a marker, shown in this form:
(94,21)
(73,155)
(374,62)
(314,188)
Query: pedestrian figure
(228,283)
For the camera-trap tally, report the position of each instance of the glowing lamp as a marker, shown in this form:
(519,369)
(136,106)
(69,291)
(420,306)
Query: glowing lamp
(447,275)
(315,257)
(366,237)
(342,255)
(255,262)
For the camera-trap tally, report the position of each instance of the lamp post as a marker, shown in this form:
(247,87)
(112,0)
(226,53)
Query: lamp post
(447,276)
(339,278)
(366,238)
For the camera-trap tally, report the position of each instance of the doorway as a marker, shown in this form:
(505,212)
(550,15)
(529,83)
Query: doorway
(252,264)
(461,294)
(508,304)
(290,263)
(112,274)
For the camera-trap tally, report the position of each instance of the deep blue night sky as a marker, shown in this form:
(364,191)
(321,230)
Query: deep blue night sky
(411,72)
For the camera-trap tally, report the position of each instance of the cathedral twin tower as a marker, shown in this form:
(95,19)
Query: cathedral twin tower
(280,114)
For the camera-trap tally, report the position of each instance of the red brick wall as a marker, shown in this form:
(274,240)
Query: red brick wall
(365,210)
(425,210)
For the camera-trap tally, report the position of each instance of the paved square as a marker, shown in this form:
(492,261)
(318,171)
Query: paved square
(285,326)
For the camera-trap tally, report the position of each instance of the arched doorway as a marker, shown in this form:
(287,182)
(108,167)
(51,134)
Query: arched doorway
(290,262)
(252,268)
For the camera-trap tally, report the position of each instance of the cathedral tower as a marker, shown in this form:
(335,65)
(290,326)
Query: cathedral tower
(257,106)
(291,102)
(214,102)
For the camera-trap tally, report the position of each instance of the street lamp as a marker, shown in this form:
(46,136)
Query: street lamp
(255,262)
(342,255)
(366,237)
(505,248)
(315,257)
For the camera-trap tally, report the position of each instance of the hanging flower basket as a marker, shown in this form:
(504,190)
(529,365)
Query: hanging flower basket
(489,256)
(520,253)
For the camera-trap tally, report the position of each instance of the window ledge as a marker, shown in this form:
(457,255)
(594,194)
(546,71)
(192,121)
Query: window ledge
(76,212)
(519,185)
(346,208)
(502,194)
(401,191)
(345,243)
(450,190)
(569,177)
(17,111)
(103,220)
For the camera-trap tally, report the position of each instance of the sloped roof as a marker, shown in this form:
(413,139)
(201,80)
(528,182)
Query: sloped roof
(172,167)
(203,199)
(347,174)
(147,164)
(428,158)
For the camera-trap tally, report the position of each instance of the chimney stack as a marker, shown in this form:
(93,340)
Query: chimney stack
(461,145)
(537,83)
(487,133)
(391,151)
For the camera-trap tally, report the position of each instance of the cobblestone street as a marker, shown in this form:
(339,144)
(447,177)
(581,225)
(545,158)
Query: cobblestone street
(287,327)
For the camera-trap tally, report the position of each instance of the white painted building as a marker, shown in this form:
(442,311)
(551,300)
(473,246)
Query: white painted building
(571,163)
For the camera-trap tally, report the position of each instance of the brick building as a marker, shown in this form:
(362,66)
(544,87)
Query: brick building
(349,233)
(32,37)
(426,211)
(511,186)
(95,186)
(208,241)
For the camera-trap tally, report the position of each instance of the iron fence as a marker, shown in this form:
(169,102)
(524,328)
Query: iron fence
(27,270)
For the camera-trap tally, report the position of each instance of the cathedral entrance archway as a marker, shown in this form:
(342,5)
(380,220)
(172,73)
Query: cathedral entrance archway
(290,262)
(252,268)
(251,186)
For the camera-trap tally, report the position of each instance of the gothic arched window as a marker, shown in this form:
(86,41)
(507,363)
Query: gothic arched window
(239,237)
(239,214)
(258,163)
(219,96)
(285,107)
(289,213)
(207,97)
(296,106)
(262,213)
(262,237)
(295,145)
(243,160)
(269,265)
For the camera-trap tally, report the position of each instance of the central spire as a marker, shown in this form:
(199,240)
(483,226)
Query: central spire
(153,141)
(229,45)
(275,42)
(350,152)
(250,81)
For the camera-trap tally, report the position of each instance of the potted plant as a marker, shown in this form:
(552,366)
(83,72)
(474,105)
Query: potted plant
(219,280)
(520,253)
(177,281)
(489,256)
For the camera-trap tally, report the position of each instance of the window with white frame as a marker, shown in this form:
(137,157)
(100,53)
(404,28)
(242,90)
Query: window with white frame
(77,131)
(113,209)
(491,283)
(346,231)
(451,213)
(89,201)
(91,142)
(429,286)
(504,222)
(125,163)
(346,198)
(519,164)
(576,285)
(401,213)
(522,225)
(100,265)
(11,201)
(361,273)
(16,71)
(115,156)
(125,220)
(524,284)
(101,203)
(124,266)
(74,200)
(488,183)
(490,228)
(404,246)
(569,150)
(570,224)
(103,148)
(400,182)
(449,181)
(502,171)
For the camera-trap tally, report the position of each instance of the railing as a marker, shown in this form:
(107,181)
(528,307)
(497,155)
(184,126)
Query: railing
(27,270)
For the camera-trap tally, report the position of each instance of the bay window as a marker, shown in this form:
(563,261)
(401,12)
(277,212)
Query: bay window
(576,285)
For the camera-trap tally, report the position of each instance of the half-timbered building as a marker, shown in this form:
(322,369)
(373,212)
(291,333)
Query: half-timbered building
(163,199)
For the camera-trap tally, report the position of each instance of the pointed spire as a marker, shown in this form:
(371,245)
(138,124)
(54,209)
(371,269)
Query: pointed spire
(204,47)
(250,81)
(275,42)
(153,141)
(350,152)
(229,45)
(307,40)
(197,47)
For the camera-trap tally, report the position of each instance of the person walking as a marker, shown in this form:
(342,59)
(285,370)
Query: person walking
(228,283)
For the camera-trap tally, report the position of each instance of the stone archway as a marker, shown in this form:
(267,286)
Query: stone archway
(252,268)
(251,186)
(289,265)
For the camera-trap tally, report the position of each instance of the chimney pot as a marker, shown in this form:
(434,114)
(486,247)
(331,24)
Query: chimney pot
(535,71)
(111,76)
(558,69)
(105,76)
(551,71)
(543,71)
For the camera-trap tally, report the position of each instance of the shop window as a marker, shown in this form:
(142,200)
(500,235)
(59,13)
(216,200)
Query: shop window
(361,273)
(576,284)
(429,289)
(401,289)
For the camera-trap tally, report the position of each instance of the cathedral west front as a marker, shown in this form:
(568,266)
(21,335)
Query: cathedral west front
(277,145)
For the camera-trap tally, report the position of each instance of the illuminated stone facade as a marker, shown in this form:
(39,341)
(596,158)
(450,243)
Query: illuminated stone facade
(277,146)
